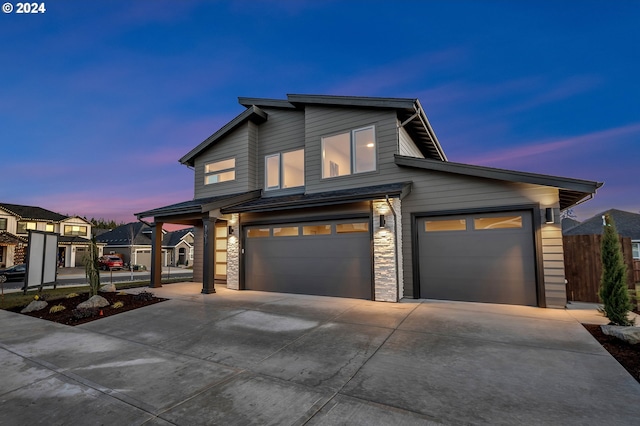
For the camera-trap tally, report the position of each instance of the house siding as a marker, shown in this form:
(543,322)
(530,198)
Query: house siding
(406,145)
(235,145)
(325,121)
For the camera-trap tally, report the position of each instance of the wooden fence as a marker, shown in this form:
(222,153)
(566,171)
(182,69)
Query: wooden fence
(583,267)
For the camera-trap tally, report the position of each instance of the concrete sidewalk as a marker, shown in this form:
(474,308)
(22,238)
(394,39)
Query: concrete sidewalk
(239,358)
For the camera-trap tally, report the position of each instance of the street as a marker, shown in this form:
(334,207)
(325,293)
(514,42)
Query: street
(70,276)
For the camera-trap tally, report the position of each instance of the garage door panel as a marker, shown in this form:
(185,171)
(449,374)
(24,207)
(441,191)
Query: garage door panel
(494,265)
(328,265)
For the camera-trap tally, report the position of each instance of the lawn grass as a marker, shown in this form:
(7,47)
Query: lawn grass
(17,298)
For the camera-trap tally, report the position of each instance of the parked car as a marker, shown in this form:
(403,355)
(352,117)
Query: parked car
(14,273)
(110,262)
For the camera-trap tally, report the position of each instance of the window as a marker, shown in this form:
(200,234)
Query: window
(316,230)
(284,170)
(289,231)
(24,227)
(497,222)
(50,227)
(347,153)
(445,225)
(635,248)
(220,171)
(343,228)
(3,224)
(257,232)
(75,231)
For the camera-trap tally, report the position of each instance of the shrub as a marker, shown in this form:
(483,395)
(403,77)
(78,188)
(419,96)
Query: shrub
(143,295)
(117,305)
(56,308)
(79,314)
(613,283)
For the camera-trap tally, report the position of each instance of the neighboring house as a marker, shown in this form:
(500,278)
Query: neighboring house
(355,197)
(627,225)
(16,221)
(132,242)
(568,223)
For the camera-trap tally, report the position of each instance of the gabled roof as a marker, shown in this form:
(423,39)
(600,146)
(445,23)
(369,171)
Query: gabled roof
(173,238)
(410,114)
(11,239)
(122,235)
(400,189)
(627,224)
(252,113)
(32,212)
(572,190)
(568,223)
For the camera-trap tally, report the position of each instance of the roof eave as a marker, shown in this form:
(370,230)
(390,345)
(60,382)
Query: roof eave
(253,113)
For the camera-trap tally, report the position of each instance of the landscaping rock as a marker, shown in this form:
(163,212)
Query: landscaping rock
(94,302)
(628,334)
(108,288)
(36,305)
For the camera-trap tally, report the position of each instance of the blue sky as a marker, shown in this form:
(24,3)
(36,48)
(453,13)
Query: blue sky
(99,99)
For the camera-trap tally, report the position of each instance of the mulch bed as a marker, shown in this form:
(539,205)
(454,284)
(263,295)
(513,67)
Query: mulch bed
(626,354)
(130,302)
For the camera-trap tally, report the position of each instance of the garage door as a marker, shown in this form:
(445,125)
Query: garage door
(320,258)
(478,257)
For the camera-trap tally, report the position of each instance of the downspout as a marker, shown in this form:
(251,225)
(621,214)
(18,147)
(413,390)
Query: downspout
(395,243)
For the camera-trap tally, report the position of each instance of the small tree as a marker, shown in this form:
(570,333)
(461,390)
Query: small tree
(92,268)
(613,283)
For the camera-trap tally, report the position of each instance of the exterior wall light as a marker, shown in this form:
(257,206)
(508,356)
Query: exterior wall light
(548,215)
(382,221)
(230,230)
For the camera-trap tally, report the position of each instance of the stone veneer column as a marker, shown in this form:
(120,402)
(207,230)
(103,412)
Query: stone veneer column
(233,254)
(387,253)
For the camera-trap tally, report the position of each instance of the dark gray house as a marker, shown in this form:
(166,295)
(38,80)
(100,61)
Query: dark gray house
(355,197)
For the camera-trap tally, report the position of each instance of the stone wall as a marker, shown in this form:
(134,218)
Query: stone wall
(385,251)
(233,254)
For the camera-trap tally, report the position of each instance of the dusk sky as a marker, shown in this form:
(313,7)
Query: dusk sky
(99,99)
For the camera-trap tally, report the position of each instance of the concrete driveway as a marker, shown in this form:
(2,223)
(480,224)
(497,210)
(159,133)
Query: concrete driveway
(240,358)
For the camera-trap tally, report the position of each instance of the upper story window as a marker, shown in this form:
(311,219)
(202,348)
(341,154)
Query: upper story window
(636,250)
(50,227)
(3,224)
(348,153)
(284,170)
(75,230)
(220,171)
(24,227)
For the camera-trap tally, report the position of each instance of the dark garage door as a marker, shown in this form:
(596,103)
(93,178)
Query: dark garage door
(478,257)
(320,258)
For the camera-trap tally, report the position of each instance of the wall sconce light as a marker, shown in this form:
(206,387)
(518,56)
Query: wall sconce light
(382,221)
(548,215)
(230,230)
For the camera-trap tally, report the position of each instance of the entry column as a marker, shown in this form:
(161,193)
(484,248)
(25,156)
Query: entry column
(156,255)
(208,263)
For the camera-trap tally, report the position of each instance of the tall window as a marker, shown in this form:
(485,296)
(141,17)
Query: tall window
(3,224)
(347,153)
(285,170)
(24,227)
(220,171)
(75,231)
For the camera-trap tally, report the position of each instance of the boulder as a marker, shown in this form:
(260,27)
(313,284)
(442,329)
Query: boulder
(94,302)
(108,288)
(36,305)
(628,334)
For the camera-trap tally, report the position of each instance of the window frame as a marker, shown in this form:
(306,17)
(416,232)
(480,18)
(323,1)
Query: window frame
(5,221)
(26,226)
(219,172)
(280,156)
(352,152)
(75,234)
(635,250)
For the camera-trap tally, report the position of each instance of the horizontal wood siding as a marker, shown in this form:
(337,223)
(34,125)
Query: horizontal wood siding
(235,145)
(283,131)
(252,138)
(440,191)
(407,146)
(324,121)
